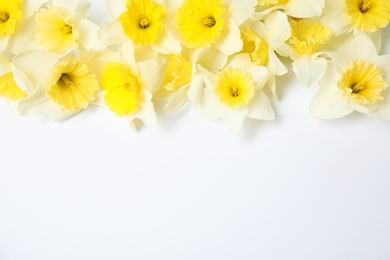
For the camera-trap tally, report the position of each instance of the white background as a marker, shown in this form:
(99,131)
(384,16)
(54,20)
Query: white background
(294,188)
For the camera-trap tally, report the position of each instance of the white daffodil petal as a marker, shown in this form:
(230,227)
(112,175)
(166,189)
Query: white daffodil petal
(278,27)
(5,64)
(35,105)
(383,62)
(22,40)
(196,87)
(240,60)
(229,42)
(338,21)
(260,75)
(209,107)
(213,59)
(178,100)
(260,107)
(31,6)
(275,66)
(116,8)
(146,112)
(78,8)
(167,44)
(112,32)
(239,10)
(329,104)
(234,118)
(304,8)
(99,98)
(4,43)
(88,36)
(26,65)
(126,55)
(358,47)
(309,69)
(152,72)
(57,114)
(280,47)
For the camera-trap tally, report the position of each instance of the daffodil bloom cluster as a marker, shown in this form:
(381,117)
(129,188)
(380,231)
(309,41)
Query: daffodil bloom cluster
(222,57)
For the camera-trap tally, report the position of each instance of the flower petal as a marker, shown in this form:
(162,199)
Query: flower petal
(229,41)
(274,65)
(213,59)
(32,6)
(239,10)
(196,86)
(166,44)
(309,69)
(146,112)
(88,39)
(260,107)
(358,47)
(126,55)
(152,72)
(260,75)
(278,27)
(234,118)
(112,32)
(178,100)
(304,8)
(116,8)
(209,106)
(79,9)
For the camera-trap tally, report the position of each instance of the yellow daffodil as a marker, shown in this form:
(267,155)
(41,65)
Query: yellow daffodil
(235,92)
(15,22)
(63,25)
(202,23)
(59,85)
(143,22)
(129,85)
(357,81)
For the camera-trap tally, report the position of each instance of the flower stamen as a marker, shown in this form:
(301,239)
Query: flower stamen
(209,21)
(365,6)
(4,17)
(144,23)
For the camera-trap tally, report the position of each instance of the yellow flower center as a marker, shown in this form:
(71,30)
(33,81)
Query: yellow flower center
(368,15)
(362,83)
(54,31)
(308,35)
(179,72)
(234,87)
(9,89)
(255,46)
(10,15)
(201,22)
(73,86)
(123,89)
(143,20)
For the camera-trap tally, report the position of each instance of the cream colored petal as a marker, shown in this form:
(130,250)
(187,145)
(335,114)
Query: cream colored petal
(329,103)
(4,43)
(357,47)
(126,55)
(196,87)
(167,44)
(229,42)
(278,27)
(112,32)
(209,106)
(213,59)
(35,105)
(309,69)
(152,73)
(260,76)
(239,10)
(78,9)
(178,100)
(275,66)
(383,62)
(338,21)
(23,38)
(31,6)
(240,60)
(116,7)
(5,64)
(146,112)
(234,118)
(88,36)
(34,66)
(260,107)
(304,8)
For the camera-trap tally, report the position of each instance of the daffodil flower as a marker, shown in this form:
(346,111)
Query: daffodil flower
(15,18)
(357,80)
(63,25)
(8,87)
(199,24)
(309,41)
(59,85)
(235,92)
(293,8)
(142,21)
(129,85)
(263,40)
(181,76)
(358,16)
